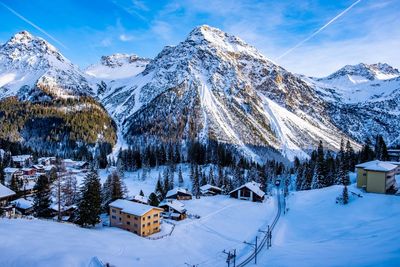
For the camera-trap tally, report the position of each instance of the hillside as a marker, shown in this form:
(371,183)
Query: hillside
(362,233)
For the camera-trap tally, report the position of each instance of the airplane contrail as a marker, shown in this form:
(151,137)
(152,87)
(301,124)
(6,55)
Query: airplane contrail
(32,24)
(320,29)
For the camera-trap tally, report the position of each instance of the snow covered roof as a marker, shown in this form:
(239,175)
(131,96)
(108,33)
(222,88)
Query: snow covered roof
(5,191)
(253,186)
(49,167)
(132,207)
(140,198)
(21,158)
(23,203)
(175,191)
(377,165)
(174,204)
(10,170)
(38,166)
(208,187)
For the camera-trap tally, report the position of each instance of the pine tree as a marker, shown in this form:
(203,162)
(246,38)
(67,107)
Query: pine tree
(171,179)
(159,190)
(42,197)
(15,184)
(319,179)
(203,180)
(166,180)
(381,152)
(113,189)
(89,206)
(367,154)
(180,177)
(345,195)
(196,182)
(153,200)
(211,176)
(220,181)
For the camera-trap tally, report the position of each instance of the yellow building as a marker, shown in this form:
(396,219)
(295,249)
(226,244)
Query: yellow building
(135,217)
(377,176)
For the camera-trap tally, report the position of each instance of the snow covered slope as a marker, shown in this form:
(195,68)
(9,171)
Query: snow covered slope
(31,67)
(318,232)
(117,66)
(215,86)
(363,100)
(193,240)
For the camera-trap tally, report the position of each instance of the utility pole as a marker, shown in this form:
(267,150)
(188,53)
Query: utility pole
(255,248)
(230,257)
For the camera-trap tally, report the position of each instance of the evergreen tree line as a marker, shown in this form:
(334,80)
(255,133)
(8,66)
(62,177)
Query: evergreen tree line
(325,168)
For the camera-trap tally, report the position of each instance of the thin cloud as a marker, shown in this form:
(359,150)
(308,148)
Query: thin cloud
(33,25)
(320,29)
(129,11)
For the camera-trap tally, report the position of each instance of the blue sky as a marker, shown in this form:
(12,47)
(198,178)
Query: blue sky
(84,30)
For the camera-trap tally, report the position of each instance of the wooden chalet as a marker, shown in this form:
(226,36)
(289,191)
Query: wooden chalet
(173,209)
(179,194)
(210,190)
(249,191)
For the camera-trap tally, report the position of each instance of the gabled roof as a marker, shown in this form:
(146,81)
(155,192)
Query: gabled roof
(131,207)
(175,191)
(5,191)
(252,186)
(174,204)
(23,203)
(19,158)
(207,187)
(377,165)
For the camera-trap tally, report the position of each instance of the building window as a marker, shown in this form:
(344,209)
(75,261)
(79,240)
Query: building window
(144,218)
(120,218)
(129,223)
(144,225)
(148,224)
(156,221)
(135,232)
(155,228)
(128,216)
(135,225)
(156,215)
(148,217)
(113,217)
(113,210)
(142,233)
(136,218)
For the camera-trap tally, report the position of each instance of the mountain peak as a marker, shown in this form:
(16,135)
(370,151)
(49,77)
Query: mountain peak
(25,43)
(377,71)
(213,35)
(22,37)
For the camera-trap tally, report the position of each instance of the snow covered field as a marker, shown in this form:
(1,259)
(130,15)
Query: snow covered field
(224,224)
(319,232)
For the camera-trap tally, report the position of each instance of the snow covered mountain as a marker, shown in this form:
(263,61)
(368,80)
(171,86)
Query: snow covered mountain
(31,67)
(215,86)
(363,100)
(46,102)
